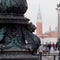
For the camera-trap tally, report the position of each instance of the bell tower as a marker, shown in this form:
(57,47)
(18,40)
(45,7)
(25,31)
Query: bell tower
(39,23)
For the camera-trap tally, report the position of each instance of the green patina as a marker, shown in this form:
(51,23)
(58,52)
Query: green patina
(13,6)
(2,31)
(8,3)
(18,34)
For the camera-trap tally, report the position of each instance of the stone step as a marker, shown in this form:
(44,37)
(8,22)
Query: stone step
(18,56)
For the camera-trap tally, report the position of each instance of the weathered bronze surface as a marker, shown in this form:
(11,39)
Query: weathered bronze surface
(13,7)
(16,33)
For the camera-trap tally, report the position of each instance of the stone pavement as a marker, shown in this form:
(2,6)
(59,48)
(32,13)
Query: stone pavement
(52,52)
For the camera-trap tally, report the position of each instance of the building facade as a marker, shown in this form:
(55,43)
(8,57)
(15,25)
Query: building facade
(49,36)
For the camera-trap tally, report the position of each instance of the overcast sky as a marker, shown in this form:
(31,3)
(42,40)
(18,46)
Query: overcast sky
(48,12)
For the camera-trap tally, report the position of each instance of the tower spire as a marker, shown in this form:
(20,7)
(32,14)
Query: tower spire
(39,17)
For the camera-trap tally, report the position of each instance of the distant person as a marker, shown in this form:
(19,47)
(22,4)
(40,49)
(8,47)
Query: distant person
(46,47)
(54,46)
(49,46)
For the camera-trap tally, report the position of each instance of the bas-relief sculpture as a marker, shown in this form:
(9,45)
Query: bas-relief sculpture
(14,36)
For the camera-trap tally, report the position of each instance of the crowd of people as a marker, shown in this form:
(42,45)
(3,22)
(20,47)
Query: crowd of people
(47,47)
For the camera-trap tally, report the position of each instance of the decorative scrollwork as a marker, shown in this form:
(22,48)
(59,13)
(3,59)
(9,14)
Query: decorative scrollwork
(13,7)
(2,31)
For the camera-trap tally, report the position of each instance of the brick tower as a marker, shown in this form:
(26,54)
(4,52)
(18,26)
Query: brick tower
(39,24)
